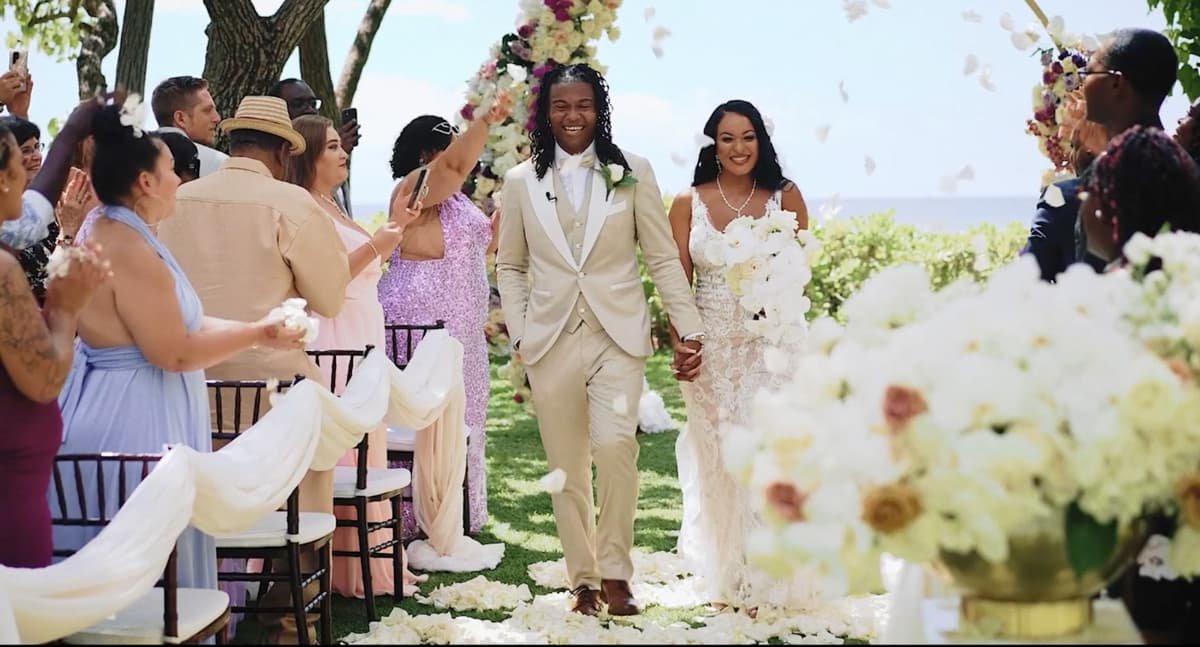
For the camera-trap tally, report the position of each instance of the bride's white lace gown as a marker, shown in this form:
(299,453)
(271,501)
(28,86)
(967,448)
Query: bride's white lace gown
(718,515)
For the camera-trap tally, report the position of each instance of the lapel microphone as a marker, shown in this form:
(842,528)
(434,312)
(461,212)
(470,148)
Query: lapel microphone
(551,198)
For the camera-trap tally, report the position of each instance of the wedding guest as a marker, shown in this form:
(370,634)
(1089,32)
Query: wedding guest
(1053,239)
(444,253)
(36,350)
(16,91)
(321,169)
(301,102)
(184,105)
(247,241)
(185,153)
(1128,78)
(1186,134)
(137,381)
(1142,183)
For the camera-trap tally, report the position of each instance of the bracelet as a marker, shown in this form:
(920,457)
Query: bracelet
(374,248)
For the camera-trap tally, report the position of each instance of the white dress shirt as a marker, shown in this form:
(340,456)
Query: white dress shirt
(574,177)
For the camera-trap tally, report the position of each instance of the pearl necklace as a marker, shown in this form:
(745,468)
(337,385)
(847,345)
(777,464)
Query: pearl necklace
(738,210)
(336,206)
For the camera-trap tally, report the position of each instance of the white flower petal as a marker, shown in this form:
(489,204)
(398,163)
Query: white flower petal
(554,482)
(661,33)
(517,73)
(703,140)
(620,405)
(658,51)
(970,65)
(1053,196)
(967,173)
(649,13)
(842,92)
(823,132)
(869,165)
(1006,22)
(678,159)
(985,78)
(972,16)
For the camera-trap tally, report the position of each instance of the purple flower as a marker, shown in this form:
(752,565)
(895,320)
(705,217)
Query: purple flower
(541,70)
(468,112)
(1047,57)
(1048,78)
(1063,54)
(1071,81)
(526,30)
(1079,60)
(1057,68)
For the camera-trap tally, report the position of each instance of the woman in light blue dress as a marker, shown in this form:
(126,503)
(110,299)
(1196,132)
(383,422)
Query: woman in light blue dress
(137,383)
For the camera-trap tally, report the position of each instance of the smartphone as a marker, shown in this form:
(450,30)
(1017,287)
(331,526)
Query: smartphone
(419,187)
(349,114)
(18,61)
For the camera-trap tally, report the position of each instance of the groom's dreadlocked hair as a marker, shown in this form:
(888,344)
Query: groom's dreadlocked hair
(542,138)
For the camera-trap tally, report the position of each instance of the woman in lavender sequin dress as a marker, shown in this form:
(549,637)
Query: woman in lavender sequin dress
(439,271)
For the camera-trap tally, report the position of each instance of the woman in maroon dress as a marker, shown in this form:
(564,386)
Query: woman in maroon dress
(35,356)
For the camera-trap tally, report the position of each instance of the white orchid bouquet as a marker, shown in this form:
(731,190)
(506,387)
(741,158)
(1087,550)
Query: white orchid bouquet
(294,313)
(767,266)
(955,421)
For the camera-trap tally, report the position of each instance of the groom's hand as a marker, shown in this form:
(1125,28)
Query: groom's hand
(686,366)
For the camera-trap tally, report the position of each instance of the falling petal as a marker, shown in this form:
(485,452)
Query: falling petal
(1023,40)
(1053,196)
(1090,43)
(972,16)
(554,481)
(1056,28)
(658,51)
(855,9)
(882,4)
(769,124)
(1006,22)
(830,209)
(971,65)
(985,79)
(948,184)
(703,141)
(869,165)
(620,405)
(823,133)
(967,173)
(661,32)
(649,13)
(678,159)
(842,91)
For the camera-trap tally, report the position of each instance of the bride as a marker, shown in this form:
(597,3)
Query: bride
(737,175)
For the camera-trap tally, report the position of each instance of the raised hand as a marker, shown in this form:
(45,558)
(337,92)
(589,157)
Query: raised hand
(86,271)
(75,202)
(401,214)
(500,109)
(11,83)
(348,132)
(19,104)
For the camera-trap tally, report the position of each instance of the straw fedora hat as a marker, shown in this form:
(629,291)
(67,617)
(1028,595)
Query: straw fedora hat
(267,115)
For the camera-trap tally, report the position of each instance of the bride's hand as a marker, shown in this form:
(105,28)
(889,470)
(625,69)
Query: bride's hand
(686,366)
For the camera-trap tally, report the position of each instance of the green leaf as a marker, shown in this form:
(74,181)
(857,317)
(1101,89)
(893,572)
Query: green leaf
(1089,542)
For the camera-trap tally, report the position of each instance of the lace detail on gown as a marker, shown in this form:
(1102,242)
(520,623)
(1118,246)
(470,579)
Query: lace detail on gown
(718,515)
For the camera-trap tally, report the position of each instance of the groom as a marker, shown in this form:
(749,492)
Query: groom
(572,219)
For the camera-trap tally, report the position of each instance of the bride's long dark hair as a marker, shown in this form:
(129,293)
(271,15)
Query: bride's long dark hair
(767,170)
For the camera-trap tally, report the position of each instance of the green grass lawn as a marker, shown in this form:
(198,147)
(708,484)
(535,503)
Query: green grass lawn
(520,513)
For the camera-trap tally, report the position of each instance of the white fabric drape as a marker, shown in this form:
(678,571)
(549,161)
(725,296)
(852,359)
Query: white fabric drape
(227,491)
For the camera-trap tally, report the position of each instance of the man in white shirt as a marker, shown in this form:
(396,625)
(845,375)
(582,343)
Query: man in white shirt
(183,104)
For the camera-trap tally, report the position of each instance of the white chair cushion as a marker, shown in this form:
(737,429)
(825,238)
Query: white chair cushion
(271,531)
(403,439)
(379,480)
(141,623)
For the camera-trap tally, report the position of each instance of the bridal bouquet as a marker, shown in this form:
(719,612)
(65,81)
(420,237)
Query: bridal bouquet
(954,421)
(767,267)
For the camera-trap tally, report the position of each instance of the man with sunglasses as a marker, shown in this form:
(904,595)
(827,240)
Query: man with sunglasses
(301,100)
(183,104)
(1127,80)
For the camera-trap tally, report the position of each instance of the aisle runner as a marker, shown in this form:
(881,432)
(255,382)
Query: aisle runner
(660,580)
(225,492)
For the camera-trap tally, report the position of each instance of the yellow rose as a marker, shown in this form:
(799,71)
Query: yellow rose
(1188,491)
(561,54)
(613,34)
(890,507)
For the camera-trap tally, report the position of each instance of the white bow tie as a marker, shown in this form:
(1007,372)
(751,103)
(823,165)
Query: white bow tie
(572,162)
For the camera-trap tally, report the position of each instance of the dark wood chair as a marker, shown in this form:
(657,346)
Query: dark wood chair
(355,487)
(238,404)
(402,443)
(166,613)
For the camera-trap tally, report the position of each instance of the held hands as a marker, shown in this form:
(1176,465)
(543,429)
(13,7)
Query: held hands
(86,271)
(686,365)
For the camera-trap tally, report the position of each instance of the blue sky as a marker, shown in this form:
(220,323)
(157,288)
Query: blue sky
(910,107)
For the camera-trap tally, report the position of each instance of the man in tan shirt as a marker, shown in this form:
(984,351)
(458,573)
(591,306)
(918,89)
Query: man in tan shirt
(247,241)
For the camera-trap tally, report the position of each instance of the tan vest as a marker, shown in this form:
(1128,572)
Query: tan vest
(573,224)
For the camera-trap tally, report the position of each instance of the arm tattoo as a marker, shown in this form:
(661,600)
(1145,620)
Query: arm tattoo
(27,344)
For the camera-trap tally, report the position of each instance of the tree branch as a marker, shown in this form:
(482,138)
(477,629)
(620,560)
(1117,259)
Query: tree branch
(290,23)
(314,67)
(360,49)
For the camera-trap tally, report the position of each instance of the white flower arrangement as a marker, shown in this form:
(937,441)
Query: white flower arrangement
(940,422)
(478,594)
(767,263)
(295,317)
(133,114)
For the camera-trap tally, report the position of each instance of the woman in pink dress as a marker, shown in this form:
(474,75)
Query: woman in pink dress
(320,169)
(440,272)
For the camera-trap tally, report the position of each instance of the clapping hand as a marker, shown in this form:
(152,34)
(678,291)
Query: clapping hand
(75,202)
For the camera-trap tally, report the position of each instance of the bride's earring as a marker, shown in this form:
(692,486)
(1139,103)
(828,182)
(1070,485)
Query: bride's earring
(718,166)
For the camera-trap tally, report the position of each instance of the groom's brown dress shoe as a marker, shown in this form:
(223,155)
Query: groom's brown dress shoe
(618,597)
(585,601)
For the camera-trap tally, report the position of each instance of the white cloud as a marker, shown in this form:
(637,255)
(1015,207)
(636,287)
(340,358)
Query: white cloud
(445,9)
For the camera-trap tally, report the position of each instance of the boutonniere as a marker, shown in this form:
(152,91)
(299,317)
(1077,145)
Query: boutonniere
(615,176)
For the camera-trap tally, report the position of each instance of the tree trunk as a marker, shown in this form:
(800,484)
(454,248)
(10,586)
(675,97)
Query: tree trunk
(314,68)
(360,49)
(135,45)
(247,52)
(98,39)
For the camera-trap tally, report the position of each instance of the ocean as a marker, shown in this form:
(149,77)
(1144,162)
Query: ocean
(938,213)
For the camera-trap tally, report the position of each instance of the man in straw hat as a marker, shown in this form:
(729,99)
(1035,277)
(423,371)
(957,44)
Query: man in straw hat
(247,241)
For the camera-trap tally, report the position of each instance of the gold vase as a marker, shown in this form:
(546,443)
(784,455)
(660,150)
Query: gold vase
(1036,593)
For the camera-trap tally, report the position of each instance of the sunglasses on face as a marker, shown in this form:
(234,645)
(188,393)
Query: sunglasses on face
(311,102)
(1083,74)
